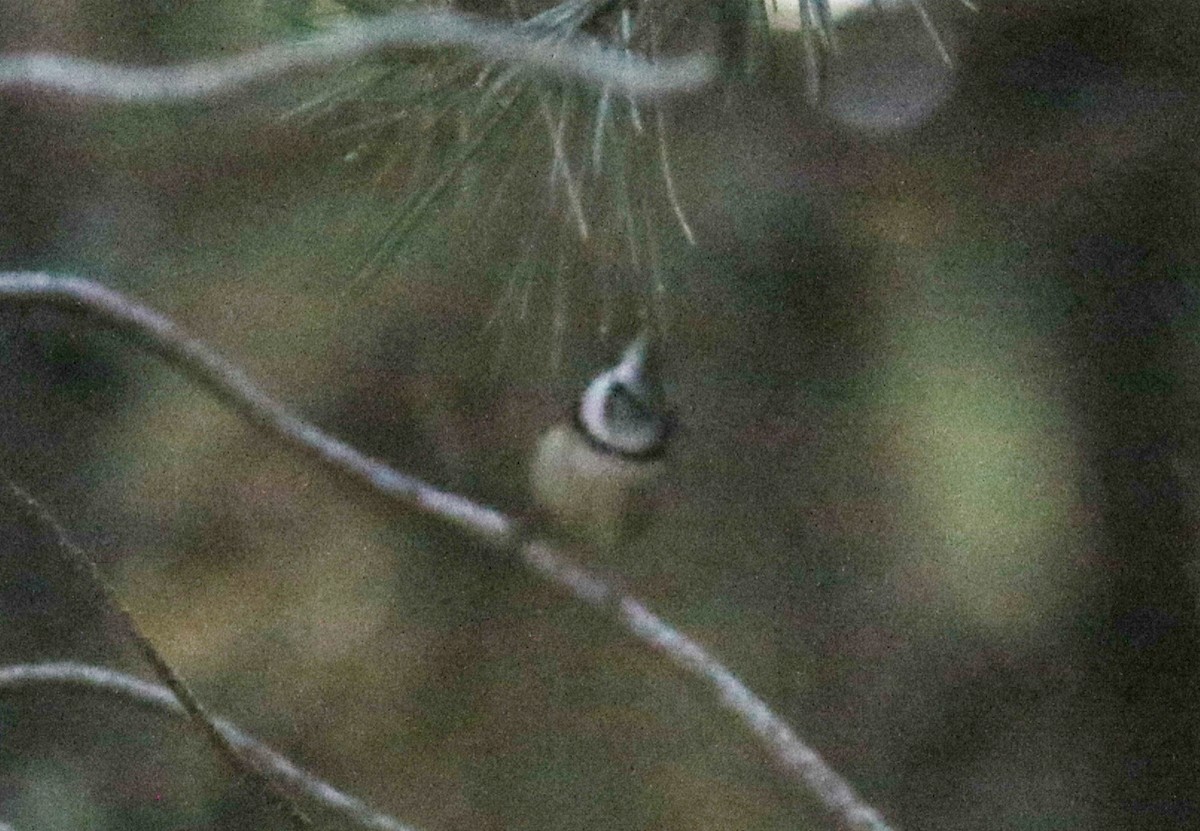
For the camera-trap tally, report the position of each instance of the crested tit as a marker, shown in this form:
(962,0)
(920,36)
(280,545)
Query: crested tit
(596,475)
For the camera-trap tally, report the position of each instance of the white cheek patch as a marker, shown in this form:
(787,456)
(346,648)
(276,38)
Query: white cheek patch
(592,416)
(622,410)
(616,418)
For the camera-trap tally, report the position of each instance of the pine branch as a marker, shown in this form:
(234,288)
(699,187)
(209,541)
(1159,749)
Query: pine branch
(579,58)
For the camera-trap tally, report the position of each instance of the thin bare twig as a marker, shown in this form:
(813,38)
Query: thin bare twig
(79,560)
(561,166)
(272,763)
(932,30)
(579,58)
(229,384)
(664,161)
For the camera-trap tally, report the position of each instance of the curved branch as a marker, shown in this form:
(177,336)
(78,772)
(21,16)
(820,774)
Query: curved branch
(407,29)
(229,384)
(269,762)
(78,560)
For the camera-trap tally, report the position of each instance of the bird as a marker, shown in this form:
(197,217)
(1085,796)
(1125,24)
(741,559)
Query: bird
(598,473)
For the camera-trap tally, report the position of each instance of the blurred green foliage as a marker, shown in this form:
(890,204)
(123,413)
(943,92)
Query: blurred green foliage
(935,494)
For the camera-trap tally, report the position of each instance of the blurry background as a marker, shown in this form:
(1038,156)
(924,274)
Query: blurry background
(935,354)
